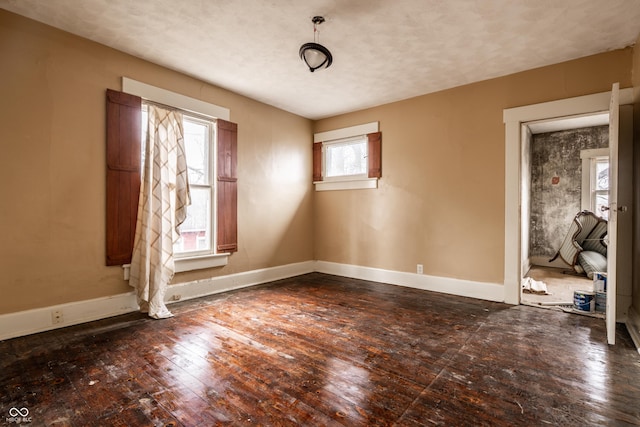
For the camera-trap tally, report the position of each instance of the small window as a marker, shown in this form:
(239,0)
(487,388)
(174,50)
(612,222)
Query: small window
(348,158)
(595,181)
(345,158)
(600,186)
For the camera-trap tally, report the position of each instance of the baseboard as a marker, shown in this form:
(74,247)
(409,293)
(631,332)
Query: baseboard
(214,285)
(41,319)
(633,326)
(447,285)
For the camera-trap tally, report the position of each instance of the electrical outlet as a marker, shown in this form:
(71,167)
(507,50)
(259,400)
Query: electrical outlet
(176,297)
(419,269)
(56,317)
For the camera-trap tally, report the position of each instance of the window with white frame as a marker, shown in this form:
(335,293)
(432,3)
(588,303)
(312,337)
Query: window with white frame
(212,223)
(345,158)
(600,186)
(595,181)
(348,158)
(196,232)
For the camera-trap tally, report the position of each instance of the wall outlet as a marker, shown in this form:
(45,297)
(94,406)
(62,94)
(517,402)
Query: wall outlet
(176,297)
(419,269)
(57,317)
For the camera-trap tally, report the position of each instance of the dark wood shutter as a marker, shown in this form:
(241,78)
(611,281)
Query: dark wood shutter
(375,154)
(123,174)
(317,161)
(227,187)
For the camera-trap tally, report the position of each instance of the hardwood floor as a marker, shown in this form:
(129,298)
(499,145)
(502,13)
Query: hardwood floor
(320,350)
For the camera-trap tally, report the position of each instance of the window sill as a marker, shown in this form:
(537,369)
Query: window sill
(194,263)
(351,184)
(201,262)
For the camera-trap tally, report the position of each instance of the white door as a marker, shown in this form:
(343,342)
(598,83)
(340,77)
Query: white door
(614,122)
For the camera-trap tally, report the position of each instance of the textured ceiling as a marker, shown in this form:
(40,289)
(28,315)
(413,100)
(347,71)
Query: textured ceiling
(383,50)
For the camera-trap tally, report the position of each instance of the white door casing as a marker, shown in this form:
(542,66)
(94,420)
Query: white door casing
(515,119)
(612,229)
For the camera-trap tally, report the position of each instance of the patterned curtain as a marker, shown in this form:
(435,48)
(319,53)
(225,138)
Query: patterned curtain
(162,207)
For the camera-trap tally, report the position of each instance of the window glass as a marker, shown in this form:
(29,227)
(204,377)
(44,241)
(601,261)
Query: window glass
(346,158)
(600,187)
(195,230)
(196,141)
(602,175)
(196,237)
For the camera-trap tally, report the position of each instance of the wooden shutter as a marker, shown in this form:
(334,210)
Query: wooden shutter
(375,154)
(317,161)
(227,240)
(123,174)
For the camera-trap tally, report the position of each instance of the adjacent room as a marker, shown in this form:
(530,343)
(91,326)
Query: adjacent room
(558,159)
(319,213)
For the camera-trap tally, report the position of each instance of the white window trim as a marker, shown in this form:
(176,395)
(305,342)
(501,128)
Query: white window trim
(192,263)
(354,182)
(163,96)
(174,99)
(347,184)
(201,262)
(588,156)
(182,257)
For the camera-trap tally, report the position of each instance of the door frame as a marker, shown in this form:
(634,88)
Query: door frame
(515,120)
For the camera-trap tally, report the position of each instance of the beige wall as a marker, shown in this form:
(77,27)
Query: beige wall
(441,198)
(52,168)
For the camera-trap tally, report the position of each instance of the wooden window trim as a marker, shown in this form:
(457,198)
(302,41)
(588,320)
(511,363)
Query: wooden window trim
(374,141)
(317,161)
(227,191)
(123,174)
(123,145)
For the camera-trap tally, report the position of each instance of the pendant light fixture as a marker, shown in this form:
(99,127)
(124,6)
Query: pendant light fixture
(314,54)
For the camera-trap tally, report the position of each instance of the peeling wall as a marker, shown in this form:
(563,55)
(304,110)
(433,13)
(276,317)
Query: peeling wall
(556,183)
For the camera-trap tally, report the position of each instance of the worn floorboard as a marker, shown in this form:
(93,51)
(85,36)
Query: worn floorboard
(321,350)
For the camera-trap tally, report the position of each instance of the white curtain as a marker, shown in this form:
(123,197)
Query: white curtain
(162,207)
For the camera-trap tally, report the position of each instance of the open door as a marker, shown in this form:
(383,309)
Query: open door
(614,123)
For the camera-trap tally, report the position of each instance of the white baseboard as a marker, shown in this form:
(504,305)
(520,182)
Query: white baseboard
(215,285)
(447,285)
(41,319)
(633,326)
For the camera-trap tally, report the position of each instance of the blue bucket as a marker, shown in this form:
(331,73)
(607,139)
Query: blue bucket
(584,301)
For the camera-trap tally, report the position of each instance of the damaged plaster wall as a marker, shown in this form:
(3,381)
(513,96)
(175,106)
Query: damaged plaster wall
(556,185)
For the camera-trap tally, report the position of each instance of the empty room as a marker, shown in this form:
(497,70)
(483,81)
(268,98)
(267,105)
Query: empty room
(323,213)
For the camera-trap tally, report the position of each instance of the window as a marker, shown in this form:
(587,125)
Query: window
(196,236)
(211,227)
(348,158)
(595,181)
(600,186)
(345,158)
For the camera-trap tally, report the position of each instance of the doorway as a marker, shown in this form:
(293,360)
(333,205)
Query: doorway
(561,161)
(516,229)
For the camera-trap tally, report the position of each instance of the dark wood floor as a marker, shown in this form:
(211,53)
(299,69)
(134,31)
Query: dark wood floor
(320,350)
